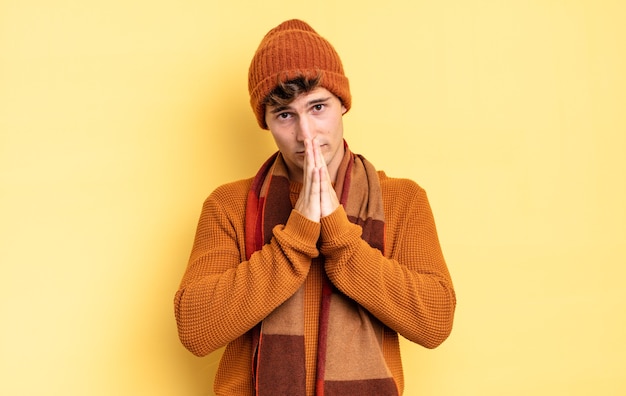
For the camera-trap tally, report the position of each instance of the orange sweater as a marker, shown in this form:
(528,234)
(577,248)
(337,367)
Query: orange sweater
(222,296)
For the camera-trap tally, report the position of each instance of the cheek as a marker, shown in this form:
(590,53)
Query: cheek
(336,126)
(280,139)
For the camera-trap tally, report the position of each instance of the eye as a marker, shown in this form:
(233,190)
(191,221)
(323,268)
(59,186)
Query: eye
(319,107)
(284,116)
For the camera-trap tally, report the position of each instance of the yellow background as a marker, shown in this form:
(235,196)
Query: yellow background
(117,118)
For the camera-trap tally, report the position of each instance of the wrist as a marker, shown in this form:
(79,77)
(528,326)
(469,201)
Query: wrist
(337,230)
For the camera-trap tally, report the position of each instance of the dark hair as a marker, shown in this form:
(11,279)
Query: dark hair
(287,91)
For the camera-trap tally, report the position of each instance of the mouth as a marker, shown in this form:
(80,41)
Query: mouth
(303,151)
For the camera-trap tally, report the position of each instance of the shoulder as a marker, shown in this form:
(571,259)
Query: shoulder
(402,197)
(393,187)
(235,188)
(230,195)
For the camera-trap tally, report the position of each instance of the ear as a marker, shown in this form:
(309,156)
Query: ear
(343,109)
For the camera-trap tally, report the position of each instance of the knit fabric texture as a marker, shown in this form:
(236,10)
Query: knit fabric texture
(290,50)
(223,295)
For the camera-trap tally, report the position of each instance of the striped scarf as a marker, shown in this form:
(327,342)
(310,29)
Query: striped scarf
(349,353)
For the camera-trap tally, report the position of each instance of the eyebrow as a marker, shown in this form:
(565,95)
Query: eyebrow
(317,101)
(310,103)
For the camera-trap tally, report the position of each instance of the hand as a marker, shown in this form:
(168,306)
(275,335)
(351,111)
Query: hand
(308,203)
(317,198)
(328,197)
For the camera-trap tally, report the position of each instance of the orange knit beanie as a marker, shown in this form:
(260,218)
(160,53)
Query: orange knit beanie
(290,50)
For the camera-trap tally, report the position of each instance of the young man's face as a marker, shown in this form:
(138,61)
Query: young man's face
(314,114)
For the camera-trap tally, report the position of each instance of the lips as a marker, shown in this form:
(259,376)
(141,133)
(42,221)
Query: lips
(301,152)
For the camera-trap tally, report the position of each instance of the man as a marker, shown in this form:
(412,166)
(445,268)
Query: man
(308,272)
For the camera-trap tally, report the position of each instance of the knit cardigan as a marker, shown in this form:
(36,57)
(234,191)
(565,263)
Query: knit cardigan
(222,296)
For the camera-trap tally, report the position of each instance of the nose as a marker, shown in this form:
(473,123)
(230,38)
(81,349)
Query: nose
(304,129)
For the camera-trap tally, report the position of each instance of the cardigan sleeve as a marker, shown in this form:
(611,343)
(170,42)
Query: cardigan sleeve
(409,288)
(222,297)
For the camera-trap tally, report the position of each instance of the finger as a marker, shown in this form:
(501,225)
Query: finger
(317,151)
(328,197)
(309,164)
(316,163)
